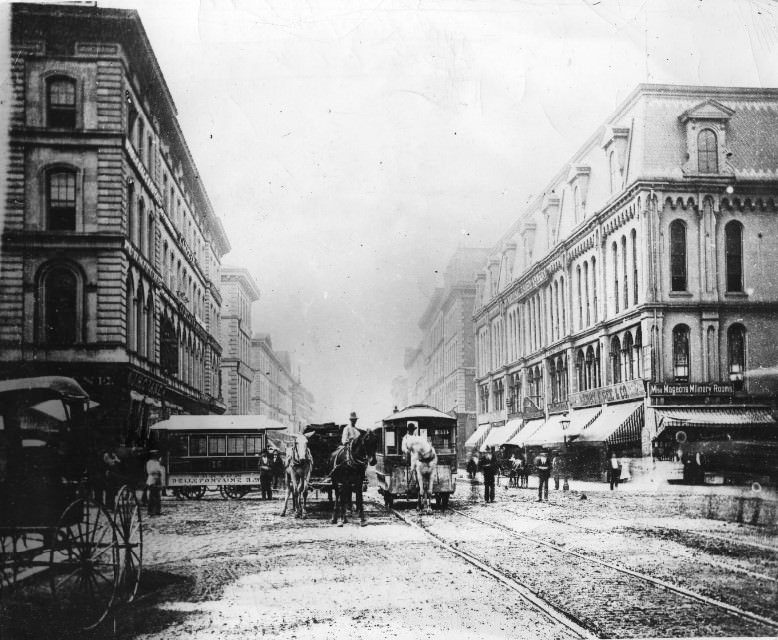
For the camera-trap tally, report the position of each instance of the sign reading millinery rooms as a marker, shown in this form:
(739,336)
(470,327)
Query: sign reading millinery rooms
(691,389)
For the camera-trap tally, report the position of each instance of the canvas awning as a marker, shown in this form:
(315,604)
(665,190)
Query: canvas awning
(617,424)
(499,436)
(529,428)
(552,432)
(478,435)
(713,417)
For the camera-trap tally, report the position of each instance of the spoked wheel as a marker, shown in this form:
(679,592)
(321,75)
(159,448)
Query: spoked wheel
(233,492)
(84,563)
(127,522)
(193,493)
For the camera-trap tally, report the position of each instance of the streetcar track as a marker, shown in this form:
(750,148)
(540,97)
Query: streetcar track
(710,561)
(736,611)
(547,608)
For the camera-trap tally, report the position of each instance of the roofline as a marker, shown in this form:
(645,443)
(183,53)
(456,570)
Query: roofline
(242,274)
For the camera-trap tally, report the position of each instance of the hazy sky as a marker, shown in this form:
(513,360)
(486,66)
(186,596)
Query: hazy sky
(350,147)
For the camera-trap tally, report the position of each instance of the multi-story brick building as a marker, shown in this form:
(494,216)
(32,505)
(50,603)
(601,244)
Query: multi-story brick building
(640,279)
(239,292)
(441,370)
(275,391)
(111,251)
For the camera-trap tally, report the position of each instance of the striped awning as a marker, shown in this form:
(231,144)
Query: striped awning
(528,429)
(499,436)
(617,424)
(550,433)
(713,417)
(478,435)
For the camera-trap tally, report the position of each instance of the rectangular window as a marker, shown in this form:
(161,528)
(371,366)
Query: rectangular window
(198,446)
(235,445)
(62,201)
(253,444)
(217,445)
(61,107)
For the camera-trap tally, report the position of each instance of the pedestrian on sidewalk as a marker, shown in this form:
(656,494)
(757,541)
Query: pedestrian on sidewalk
(543,466)
(471,468)
(266,476)
(556,468)
(488,467)
(279,470)
(154,483)
(614,471)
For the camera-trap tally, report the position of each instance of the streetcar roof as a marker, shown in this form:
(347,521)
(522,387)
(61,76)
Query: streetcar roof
(219,423)
(416,411)
(59,385)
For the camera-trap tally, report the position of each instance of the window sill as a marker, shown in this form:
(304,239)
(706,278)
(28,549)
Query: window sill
(679,294)
(742,295)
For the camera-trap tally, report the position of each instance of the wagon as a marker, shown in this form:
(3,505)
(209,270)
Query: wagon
(323,441)
(54,534)
(395,482)
(219,452)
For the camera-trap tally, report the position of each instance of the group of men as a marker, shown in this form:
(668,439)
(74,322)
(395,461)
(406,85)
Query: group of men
(546,464)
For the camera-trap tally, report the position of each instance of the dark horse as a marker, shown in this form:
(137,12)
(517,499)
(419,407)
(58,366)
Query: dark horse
(348,465)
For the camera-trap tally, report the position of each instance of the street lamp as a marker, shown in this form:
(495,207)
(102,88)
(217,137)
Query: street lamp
(565,422)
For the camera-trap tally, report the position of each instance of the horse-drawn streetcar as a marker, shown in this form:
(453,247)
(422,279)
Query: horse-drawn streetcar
(393,469)
(54,535)
(213,451)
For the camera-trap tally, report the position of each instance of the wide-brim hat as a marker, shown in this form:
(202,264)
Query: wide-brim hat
(353,416)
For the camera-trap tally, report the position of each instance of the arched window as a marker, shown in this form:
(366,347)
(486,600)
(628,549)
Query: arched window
(707,152)
(615,172)
(61,200)
(616,359)
(561,372)
(591,374)
(552,375)
(586,292)
(624,270)
(580,370)
(60,309)
(168,347)
(580,298)
(633,238)
(615,254)
(139,229)
(639,352)
(132,216)
(678,256)
(149,248)
(681,353)
(131,316)
(594,287)
(563,304)
(734,251)
(736,351)
(577,204)
(150,346)
(140,322)
(629,357)
(61,102)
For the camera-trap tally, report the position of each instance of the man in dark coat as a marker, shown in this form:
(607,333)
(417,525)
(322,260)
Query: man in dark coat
(488,467)
(279,469)
(543,466)
(266,476)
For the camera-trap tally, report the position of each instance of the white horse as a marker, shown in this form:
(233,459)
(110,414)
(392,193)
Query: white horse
(424,460)
(299,463)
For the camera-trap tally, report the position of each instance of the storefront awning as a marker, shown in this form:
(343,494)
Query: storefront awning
(550,432)
(617,424)
(499,436)
(478,435)
(527,431)
(712,417)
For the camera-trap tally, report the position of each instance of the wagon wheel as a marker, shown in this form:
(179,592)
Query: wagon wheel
(233,492)
(195,493)
(127,522)
(84,563)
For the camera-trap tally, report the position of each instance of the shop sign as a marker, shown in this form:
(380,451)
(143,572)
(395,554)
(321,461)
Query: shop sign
(691,389)
(144,384)
(189,480)
(627,390)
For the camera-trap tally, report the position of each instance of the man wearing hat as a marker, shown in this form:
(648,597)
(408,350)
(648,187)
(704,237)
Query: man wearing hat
(350,431)
(154,473)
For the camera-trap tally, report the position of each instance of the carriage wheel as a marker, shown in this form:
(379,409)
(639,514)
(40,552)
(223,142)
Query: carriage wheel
(84,563)
(127,522)
(196,493)
(233,492)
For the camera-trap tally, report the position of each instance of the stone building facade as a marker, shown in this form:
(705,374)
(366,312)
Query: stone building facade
(440,371)
(239,292)
(111,251)
(640,278)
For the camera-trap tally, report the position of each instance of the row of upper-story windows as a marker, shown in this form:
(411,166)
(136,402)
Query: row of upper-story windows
(733,250)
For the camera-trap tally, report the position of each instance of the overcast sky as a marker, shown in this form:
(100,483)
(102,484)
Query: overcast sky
(350,147)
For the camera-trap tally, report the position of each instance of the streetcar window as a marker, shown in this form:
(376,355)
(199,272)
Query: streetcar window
(440,438)
(217,445)
(177,445)
(197,446)
(253,444)
(235,446)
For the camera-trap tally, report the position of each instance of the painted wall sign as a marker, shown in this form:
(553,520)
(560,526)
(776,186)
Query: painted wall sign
(188,480)
(691,389)
(627,390)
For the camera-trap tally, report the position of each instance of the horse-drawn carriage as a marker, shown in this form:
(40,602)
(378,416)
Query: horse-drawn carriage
(213,451)
(395,480)
(54,535)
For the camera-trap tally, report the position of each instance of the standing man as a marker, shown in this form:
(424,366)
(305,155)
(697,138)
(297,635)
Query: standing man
(266,476)
(350,431)
(279,469)
(614,470)
(154,483)
(556,468)
(543,465)
(488,465)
